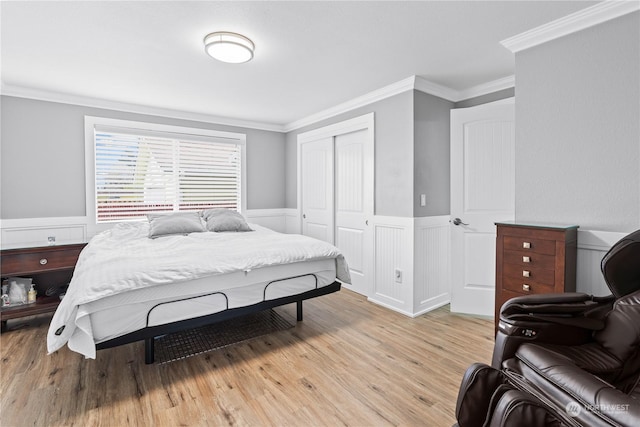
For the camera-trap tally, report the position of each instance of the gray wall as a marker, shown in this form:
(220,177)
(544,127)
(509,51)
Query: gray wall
(393,154)
(431,154)
(42,158)
(577,128)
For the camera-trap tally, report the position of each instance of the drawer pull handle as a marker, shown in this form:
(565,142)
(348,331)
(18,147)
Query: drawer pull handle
(526,288)
(43,261)
(526,245)
(526,273)
(526,259)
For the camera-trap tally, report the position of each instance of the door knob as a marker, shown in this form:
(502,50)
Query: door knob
(458,221)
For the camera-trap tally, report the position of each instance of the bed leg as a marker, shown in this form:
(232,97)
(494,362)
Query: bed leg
(299,311)
(148,351)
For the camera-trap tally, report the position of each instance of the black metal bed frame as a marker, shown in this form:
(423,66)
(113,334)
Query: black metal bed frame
(149,333)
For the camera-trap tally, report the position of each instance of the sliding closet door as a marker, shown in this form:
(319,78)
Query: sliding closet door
(352,204)
(336,192)
(317,187)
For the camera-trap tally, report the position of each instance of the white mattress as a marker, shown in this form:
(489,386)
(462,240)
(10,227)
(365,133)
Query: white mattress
(124,313)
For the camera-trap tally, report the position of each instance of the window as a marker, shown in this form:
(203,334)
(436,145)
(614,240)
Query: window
(140,168)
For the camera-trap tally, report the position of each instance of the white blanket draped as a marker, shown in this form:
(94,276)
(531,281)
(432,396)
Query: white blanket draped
(124,258)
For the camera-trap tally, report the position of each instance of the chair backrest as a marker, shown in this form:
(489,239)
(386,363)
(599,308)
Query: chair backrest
(621,334)
(621,266)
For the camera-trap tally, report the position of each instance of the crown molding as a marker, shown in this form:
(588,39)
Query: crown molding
(371,97)
(426,86)
(486,88)
(43,95)
(589,17)
(410,83)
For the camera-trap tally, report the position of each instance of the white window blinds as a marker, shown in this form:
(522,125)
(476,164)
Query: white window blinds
(140,171)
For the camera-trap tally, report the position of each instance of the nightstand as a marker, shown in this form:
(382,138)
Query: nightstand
(47,266)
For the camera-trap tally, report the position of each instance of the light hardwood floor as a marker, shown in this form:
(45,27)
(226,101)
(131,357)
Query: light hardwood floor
(349,362)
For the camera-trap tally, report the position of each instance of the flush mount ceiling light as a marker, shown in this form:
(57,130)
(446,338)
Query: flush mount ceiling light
(229,47)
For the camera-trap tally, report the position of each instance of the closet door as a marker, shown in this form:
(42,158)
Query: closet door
(317,187)
(353,204)
(336,192)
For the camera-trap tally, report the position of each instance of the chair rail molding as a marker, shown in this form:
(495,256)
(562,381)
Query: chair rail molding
(33,232)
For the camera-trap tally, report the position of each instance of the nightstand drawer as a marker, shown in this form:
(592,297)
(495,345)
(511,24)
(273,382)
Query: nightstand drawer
(540,275)
(526,287)
(531,245)
(47,259)
(529,260)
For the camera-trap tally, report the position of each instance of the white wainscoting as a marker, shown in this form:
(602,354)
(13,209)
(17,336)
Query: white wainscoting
(281,220)
(419,248)
(393,250)
(32,232)
(592,246)
(432,287)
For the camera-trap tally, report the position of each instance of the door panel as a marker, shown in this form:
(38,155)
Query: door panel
(482,192)
(351,157)
(317,187)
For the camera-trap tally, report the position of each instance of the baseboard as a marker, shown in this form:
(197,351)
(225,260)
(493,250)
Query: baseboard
(432,304)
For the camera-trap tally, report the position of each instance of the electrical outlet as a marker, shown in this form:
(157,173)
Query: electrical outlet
(423,200)
(51,240)
(398,275)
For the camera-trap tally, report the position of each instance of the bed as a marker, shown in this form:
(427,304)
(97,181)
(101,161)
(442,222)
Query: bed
(128,287)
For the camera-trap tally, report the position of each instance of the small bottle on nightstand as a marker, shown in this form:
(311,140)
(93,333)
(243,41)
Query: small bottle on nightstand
(31,296)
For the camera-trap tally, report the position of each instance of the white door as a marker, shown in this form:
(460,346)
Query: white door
(482,192)
(317,187)
(353,157)
(336,192)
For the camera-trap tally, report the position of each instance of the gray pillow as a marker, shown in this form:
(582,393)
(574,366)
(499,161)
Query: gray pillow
(225,220)
(208,213)
(175,223)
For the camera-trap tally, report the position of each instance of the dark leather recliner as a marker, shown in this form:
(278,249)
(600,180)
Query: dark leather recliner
(578,351)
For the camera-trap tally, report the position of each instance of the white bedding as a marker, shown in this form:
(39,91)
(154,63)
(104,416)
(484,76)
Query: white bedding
(124,259)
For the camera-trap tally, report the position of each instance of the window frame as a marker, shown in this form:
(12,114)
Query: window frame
(90,123)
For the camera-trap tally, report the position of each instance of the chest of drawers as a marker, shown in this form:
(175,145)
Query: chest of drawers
(534,259)
(47,266)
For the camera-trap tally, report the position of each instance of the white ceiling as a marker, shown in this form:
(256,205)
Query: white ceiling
(309,56)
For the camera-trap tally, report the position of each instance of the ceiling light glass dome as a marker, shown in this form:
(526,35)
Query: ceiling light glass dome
(229,47)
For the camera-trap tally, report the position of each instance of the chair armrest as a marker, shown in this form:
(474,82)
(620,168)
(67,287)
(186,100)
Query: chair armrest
(573,309)
(567,297)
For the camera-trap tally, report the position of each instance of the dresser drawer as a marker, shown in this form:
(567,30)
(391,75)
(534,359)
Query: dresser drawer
(530,244)
(28,262)
(540,275)
(526,287)
(528,260)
